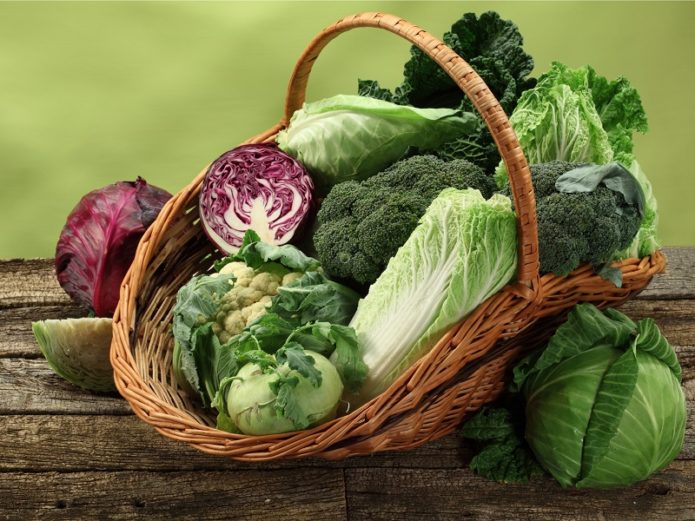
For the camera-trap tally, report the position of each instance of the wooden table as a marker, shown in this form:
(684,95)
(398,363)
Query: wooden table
(69,454)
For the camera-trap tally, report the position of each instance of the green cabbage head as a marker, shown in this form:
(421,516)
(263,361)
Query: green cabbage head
(604,405)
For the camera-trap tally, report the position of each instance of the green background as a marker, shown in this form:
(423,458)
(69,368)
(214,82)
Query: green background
(93,93)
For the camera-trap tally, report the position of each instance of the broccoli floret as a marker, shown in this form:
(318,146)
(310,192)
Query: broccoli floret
(577,228)
(362,225)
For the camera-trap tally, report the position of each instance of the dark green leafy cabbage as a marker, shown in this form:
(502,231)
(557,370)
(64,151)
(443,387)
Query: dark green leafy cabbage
(493,47)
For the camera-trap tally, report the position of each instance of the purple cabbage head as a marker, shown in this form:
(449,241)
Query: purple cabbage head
(99,239)
(255,187)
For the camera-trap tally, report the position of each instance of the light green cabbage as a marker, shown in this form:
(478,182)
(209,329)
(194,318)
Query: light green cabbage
(462,252)
(350,137)
(604,406)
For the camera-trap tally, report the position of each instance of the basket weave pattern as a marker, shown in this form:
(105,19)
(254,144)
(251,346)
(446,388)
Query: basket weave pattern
(464,370)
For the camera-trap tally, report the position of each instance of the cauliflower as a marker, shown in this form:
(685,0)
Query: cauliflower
(248,299)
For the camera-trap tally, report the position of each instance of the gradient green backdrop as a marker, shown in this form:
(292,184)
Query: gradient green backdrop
(92,93)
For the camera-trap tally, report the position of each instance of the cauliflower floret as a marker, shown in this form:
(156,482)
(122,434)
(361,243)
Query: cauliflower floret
(234,323)
(236,269)
(258,309)
(266,282)
(248,299)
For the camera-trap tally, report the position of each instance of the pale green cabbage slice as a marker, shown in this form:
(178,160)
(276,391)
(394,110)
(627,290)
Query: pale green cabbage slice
(78,350)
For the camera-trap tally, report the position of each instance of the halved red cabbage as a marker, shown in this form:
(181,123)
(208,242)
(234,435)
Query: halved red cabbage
(256,187)
(99,239)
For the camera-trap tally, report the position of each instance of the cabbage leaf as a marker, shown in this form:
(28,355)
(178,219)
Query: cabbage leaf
(349,137)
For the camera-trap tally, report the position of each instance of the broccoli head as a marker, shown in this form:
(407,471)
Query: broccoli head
(577,228)
(361,225)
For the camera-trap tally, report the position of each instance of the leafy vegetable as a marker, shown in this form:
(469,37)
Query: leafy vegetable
(604,406)
(504,456)
(646,241)
(98,241)
(362,225)
(580,219)
(269,318)
(77,349)
(257,187)
(578,116)
(314,297)
(303,391)
(462,252)
(353,137)
(493,47)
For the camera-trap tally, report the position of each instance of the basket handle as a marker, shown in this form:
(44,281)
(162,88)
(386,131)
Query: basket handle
(483,100)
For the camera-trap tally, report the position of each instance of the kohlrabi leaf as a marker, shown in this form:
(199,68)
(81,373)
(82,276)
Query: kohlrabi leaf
(256,254)
(462,252)
(297,359)
(313,297)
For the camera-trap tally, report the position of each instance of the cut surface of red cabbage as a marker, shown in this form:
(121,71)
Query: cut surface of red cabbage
(256,187)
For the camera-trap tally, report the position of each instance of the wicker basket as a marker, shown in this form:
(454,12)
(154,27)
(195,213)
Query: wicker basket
(462,372)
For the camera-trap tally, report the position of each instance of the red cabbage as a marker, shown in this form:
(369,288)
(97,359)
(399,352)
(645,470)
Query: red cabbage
(256,187)
(99,239)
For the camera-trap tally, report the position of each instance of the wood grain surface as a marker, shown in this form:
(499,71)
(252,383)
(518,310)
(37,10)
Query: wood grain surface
(68,454)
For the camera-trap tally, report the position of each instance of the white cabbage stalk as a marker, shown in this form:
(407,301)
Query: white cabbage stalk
(462,252)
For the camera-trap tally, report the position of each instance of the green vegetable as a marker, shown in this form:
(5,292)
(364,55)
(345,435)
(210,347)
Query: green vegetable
(353,137)
(362,225)
(578,116)
(462,252)
(585,226)
(604,406)
(77,349)
(493,47)
(221,326)
(646,241)
(297,394)
(314,297)
(505,456)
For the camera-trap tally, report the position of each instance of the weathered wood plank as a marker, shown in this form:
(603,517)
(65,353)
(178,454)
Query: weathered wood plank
(404,494)
(29,282)
(16,338)
(31,443)
(307,494)
(31,387)
(679,280)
